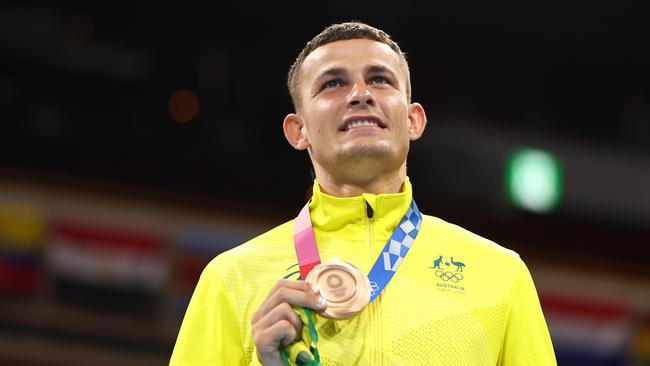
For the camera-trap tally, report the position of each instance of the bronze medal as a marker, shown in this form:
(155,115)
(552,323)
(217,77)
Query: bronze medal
(344,286)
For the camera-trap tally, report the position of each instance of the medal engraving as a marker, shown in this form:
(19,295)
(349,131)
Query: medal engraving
(335,284)
(334,281)
(339,292)
(344,286)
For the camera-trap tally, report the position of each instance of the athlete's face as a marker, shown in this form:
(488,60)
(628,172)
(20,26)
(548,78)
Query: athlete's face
(354,106)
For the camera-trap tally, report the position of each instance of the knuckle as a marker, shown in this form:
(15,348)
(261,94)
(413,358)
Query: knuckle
(286,326)
(283,282)
(285,308)
(306,297)
(283,294)
(288,329)
(257,338)
(306,286)
(278,284)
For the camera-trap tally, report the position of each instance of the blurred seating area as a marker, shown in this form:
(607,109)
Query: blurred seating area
(89,279)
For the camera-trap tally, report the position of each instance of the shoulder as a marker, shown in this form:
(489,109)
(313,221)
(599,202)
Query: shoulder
(455,238)
(488,270)
(248,271)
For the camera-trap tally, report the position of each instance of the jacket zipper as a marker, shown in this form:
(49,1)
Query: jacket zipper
(375,317)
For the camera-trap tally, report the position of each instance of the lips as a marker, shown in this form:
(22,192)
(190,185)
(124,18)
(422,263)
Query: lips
(351,123)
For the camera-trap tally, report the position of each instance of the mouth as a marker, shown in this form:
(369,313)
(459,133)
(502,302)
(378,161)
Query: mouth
(356,122)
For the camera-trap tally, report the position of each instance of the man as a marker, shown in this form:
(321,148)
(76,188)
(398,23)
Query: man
(454,298)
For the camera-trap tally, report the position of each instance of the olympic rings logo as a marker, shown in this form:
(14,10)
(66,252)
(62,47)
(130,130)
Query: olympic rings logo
(449,276)
(373,288)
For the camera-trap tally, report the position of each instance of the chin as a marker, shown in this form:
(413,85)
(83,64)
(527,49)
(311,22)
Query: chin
(370,158)
(364,151)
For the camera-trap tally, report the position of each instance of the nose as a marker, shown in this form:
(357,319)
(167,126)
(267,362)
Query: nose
(360,95)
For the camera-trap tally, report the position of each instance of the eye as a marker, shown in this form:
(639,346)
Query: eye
(332,83)
(379,80)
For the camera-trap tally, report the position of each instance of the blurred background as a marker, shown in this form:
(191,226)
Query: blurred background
(138,141)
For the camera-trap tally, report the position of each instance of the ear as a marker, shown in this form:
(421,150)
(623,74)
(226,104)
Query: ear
(417,121)
(294,131)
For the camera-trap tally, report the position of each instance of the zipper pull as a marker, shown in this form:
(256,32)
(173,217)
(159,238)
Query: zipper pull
(369,212)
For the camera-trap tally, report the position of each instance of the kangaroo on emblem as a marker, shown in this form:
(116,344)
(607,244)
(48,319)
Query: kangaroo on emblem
(436,263)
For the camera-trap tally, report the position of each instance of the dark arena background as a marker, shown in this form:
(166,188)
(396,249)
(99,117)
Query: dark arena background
(138,140)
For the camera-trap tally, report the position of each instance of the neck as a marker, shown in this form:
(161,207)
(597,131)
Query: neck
(349,187)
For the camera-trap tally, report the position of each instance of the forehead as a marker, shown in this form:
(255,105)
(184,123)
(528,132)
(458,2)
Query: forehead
(349,54)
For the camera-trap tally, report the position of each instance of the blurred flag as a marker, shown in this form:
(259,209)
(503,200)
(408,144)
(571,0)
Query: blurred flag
(21,238)
(106,261)
(587,331)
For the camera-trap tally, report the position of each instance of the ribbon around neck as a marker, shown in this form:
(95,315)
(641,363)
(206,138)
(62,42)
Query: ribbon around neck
(386,264)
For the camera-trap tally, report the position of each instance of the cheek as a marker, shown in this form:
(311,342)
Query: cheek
(323,114)
(398,112)
(323,107)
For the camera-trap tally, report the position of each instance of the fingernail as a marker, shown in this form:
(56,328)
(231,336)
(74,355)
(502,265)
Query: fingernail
(314,288)
(303,357)
(321,302)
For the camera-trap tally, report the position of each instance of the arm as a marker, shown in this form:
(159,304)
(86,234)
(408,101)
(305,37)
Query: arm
(527,341)
(210,334)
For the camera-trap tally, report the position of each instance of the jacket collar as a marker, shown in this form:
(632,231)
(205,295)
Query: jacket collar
(330,213)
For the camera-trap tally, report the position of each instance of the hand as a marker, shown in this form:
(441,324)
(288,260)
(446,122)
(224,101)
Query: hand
(275,324)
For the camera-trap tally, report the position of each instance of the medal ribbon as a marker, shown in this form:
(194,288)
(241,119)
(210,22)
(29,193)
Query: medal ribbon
(385,266)
(305,243)
(381,273)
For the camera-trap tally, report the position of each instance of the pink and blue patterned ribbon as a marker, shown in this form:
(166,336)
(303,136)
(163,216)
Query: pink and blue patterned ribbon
(385,266)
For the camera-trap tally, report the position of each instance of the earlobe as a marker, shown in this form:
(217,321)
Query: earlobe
(294,131)
(417,121)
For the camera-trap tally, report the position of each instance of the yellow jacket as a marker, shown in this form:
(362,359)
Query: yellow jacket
(456,299)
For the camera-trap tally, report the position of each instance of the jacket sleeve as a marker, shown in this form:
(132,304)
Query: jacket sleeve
(527,340)
(209,334)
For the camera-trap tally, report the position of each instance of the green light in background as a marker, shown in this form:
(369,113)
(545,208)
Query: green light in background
(533,180)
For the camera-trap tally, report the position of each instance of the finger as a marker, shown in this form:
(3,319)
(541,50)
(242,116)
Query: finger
(269,341)
(291,334)
(279,334)
(293,284)
(283,311)
(292,297)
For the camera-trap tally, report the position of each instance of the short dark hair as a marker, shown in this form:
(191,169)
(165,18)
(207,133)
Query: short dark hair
(342,32)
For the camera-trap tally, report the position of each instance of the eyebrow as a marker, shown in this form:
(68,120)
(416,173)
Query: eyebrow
(333,72)
(376,69)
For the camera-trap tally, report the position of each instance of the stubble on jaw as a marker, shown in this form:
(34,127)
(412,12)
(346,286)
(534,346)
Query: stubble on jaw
(363,163)
(362,153)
